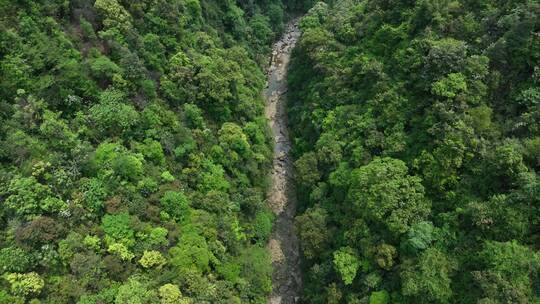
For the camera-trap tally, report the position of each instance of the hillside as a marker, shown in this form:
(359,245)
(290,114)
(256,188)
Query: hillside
(134,151)
(417,141)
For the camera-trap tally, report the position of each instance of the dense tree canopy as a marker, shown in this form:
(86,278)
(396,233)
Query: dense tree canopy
(415,128)
(134,150)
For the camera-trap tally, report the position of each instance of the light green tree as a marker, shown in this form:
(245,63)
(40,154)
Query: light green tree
(121,250)
(27,197)
(25,284)
(117,20)
(346,264)
(170,294)
(152,259)
(133,291)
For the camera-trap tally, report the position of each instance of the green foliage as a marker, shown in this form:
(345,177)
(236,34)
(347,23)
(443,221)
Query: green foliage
(532,150)
(306,169)
(57,131)
(450,86)
(379,297)
(112,116)
(419,237)
(14,259)
(176,204)
(170,294)
(93,194)
(256,268)
(113,159)
(194,117)
(118,227)
(87,29)
(430,279)
(135,292)
(25,284)
(138,127)
(158,237)
(152,151)
(386,194)
(166,176)
(234,141)
(315,15)
(414,127)
(117,20)
(121,251)
(103,68)
(260,29)
(127,166)
(152,259)
(134,150)
(5,298)
(385,256)
(213,178)
(262,226)
(192,252)
(346,264)
(92,242)
(313,235)
(482,119)
(27,197)
(508,272)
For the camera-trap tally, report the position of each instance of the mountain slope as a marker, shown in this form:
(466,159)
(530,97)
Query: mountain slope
(416,137)
(134,151)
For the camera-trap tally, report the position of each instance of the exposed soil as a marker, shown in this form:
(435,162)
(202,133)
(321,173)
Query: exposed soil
(283,243)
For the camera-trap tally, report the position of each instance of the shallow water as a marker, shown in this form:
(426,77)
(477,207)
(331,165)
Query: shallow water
(283,243)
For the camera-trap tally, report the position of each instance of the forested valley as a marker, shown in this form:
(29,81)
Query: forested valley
(135,153)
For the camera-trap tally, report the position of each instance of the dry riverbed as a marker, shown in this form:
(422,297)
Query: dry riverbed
(283,244)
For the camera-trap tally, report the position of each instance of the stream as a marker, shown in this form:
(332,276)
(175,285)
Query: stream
(283,243)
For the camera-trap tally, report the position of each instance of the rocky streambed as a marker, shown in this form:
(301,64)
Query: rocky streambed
(283,243)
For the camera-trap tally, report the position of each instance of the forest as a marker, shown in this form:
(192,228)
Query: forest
(417,140)
(135,151)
